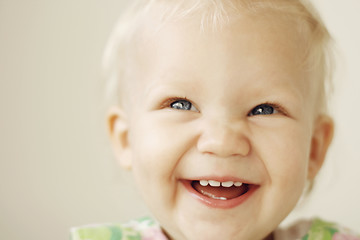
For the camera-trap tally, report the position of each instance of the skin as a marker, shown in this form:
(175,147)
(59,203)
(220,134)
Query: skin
(224,75)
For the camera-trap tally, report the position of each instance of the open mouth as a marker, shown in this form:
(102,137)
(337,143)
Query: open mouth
(220,194)
(220,190)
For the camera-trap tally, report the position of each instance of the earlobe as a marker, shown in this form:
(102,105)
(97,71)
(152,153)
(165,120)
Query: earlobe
(321,139)
(118,129)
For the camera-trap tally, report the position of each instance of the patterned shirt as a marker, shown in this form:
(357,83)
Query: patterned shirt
(148,229)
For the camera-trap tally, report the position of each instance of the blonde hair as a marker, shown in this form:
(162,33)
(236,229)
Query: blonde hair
(214,14)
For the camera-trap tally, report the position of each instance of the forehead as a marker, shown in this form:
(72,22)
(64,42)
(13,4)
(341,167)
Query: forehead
(253,47)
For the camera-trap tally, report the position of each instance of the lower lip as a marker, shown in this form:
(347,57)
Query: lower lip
(217,203)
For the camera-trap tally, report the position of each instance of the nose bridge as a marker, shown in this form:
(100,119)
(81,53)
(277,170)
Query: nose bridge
(224,138)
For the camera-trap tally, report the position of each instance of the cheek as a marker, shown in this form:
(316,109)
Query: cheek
(285,152)
(157,144)
(157,147)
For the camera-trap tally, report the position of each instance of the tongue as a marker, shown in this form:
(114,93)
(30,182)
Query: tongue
(220,192)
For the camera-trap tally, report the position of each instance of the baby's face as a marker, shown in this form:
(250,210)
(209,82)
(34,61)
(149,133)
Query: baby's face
(231,106)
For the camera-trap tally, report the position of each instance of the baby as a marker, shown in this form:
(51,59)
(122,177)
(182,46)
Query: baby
(221,116)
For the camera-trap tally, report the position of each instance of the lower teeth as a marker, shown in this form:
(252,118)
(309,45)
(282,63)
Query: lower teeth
(212,196)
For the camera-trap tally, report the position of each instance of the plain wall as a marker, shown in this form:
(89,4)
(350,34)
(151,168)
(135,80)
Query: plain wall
(56,165)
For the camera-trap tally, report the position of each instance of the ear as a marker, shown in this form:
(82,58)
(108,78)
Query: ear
(320,142)
(118,128)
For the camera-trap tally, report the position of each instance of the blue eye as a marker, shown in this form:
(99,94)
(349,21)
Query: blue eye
(263,109)
(181,104)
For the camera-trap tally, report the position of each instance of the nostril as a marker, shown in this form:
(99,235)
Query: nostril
(224,137)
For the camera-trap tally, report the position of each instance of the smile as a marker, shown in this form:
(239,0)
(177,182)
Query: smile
(220,194)
(220,190)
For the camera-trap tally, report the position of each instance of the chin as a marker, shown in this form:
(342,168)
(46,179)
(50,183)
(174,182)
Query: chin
(218,230)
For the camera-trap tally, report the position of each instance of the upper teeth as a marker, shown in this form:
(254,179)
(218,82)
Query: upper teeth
(214,183)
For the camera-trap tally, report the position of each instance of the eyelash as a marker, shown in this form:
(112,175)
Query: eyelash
(276,106)
(167,103)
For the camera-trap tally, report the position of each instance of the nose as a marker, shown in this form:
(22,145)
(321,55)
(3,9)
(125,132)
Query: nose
(224,139)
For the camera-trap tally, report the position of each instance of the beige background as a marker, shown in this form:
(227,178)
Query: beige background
(56,167)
